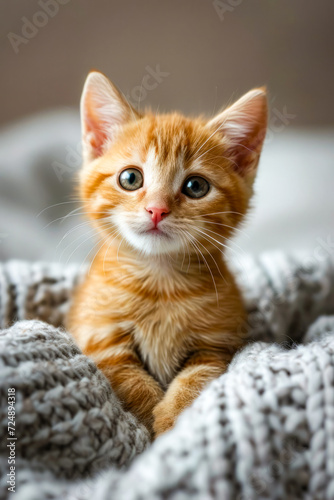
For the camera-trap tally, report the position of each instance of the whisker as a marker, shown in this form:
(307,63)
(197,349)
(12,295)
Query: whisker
(214,283)
(185,247)
(217,165)
(219,242)
(90,251)
(214,260)
(85,223)
(119,246)
(245,147)
(78,246)
(69,214)
(214,232)
(189,260)
(104,238)
(72,215)
(222,157)
(104,225)
(184,254)
(226,246)
(217,213)
(115,234)
(74,241)
(98,250)
(197,254)
(230,227)
(56,205)
(219,224)
(202,146)
(205,152)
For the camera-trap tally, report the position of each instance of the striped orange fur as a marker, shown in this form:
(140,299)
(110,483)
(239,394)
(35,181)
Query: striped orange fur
(159,310)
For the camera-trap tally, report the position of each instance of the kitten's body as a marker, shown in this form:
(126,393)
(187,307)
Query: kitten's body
(163,311)
(159,311)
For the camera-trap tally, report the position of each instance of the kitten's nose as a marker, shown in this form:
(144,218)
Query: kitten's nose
(157,214)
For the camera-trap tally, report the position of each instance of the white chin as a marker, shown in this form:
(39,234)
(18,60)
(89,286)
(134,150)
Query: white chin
(153,244)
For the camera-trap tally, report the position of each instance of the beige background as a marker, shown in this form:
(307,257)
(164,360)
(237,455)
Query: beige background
(207,61)
(285,44)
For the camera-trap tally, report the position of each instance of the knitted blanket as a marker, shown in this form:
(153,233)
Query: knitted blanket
(265,429)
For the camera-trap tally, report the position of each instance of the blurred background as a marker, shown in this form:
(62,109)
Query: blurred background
(190,55)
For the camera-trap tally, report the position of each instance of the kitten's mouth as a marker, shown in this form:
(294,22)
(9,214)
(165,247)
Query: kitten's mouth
(157,232)
(154,240)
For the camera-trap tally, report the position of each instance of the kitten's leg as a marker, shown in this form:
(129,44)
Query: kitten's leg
(138,391)
(199,370)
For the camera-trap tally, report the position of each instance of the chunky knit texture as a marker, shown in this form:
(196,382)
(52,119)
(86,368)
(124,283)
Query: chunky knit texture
(265,429)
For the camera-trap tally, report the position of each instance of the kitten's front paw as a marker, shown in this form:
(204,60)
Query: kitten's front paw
(164,418)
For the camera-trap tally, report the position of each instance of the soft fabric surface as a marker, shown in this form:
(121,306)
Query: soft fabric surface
(265,429)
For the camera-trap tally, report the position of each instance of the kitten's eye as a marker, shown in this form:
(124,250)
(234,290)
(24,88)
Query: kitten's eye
(195,187)
(131,179)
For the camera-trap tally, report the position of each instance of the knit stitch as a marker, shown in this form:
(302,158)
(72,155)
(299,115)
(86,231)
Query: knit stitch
(263,430)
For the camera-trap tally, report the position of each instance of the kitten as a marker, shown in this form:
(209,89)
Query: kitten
(159,311)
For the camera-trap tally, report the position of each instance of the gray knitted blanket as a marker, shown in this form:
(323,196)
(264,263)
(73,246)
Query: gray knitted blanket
(265,429)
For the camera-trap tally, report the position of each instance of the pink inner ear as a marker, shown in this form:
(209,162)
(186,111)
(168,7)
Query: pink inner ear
(245,153)
(95,134)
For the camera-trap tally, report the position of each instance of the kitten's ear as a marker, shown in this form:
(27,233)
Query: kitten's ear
(243,127)
(103,111)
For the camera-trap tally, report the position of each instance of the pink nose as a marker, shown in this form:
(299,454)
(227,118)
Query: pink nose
(157,214)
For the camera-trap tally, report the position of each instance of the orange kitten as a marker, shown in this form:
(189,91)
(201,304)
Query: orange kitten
(164,192)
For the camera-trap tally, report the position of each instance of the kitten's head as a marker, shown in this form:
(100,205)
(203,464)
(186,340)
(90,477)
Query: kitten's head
(165,183)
